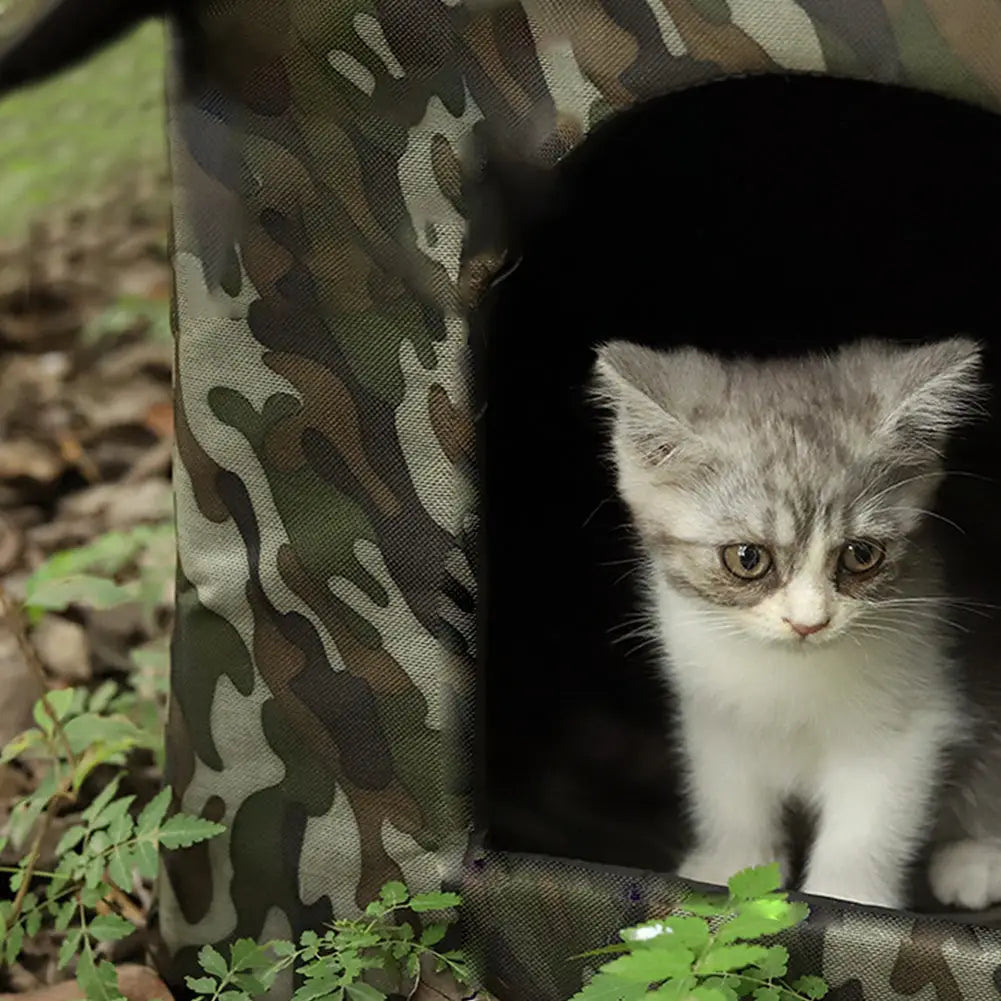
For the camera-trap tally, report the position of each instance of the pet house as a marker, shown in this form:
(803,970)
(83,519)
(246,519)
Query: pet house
(325,664)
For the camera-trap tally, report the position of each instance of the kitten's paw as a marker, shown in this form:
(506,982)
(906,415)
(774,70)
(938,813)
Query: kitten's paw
(967,874)
(716,867)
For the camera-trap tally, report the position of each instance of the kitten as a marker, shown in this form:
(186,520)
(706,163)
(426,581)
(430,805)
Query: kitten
(799,599)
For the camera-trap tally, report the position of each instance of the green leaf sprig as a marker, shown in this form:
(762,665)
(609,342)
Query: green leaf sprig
(717,950)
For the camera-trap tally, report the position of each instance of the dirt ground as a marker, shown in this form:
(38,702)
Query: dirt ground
(85,447)
(86,420)
(86,428)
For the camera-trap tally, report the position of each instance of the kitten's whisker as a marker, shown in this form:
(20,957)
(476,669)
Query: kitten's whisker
(983,609)
(936,599)
(635,626)
(858,642)
(922,613)
(646,642)
(873,630)
(707,619)
(623,630)
(627,527)
(601,504)
(640,647)
(861,497)
(882,630)
(969,475)
(913,479)
(712,621)
(929,514)
(628,573)
(632,617)
(933,610)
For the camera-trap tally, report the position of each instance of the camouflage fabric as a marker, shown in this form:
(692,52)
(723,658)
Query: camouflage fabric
(527,915)
(326,640)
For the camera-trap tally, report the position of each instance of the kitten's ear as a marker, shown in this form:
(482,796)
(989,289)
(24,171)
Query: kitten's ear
(931,390)
(624,383)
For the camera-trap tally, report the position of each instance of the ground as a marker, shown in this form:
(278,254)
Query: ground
(86,429)
(85,368)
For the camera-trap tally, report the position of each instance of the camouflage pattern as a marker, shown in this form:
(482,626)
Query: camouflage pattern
(528,915)
(326,504)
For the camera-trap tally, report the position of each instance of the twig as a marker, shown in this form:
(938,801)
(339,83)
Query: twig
(72,450)
(28,867)
(12,611)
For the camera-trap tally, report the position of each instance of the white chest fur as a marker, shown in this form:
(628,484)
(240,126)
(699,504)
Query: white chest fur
(855,689)
(857,727)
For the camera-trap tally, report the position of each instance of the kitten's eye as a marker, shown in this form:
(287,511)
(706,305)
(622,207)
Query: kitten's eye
(746,561)
(860,556)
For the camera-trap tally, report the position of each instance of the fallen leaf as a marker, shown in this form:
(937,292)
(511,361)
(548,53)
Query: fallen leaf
(160,419)
(137,983)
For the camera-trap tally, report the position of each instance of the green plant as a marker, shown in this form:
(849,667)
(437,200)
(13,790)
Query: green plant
(111,845)
(86,133)
(99,858)
(118,568)
(128,313)
(333,963)
(94,575)
(716,951)
(106,843)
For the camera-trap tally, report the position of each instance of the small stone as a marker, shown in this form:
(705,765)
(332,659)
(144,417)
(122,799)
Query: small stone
(150,500)
(62,645)
(22,458)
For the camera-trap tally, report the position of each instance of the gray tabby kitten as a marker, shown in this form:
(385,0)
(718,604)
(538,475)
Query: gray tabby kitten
(799,599)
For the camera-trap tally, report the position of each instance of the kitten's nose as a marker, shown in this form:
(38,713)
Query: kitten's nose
(808,630)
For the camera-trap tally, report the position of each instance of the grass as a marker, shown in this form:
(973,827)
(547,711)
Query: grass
(83,133)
